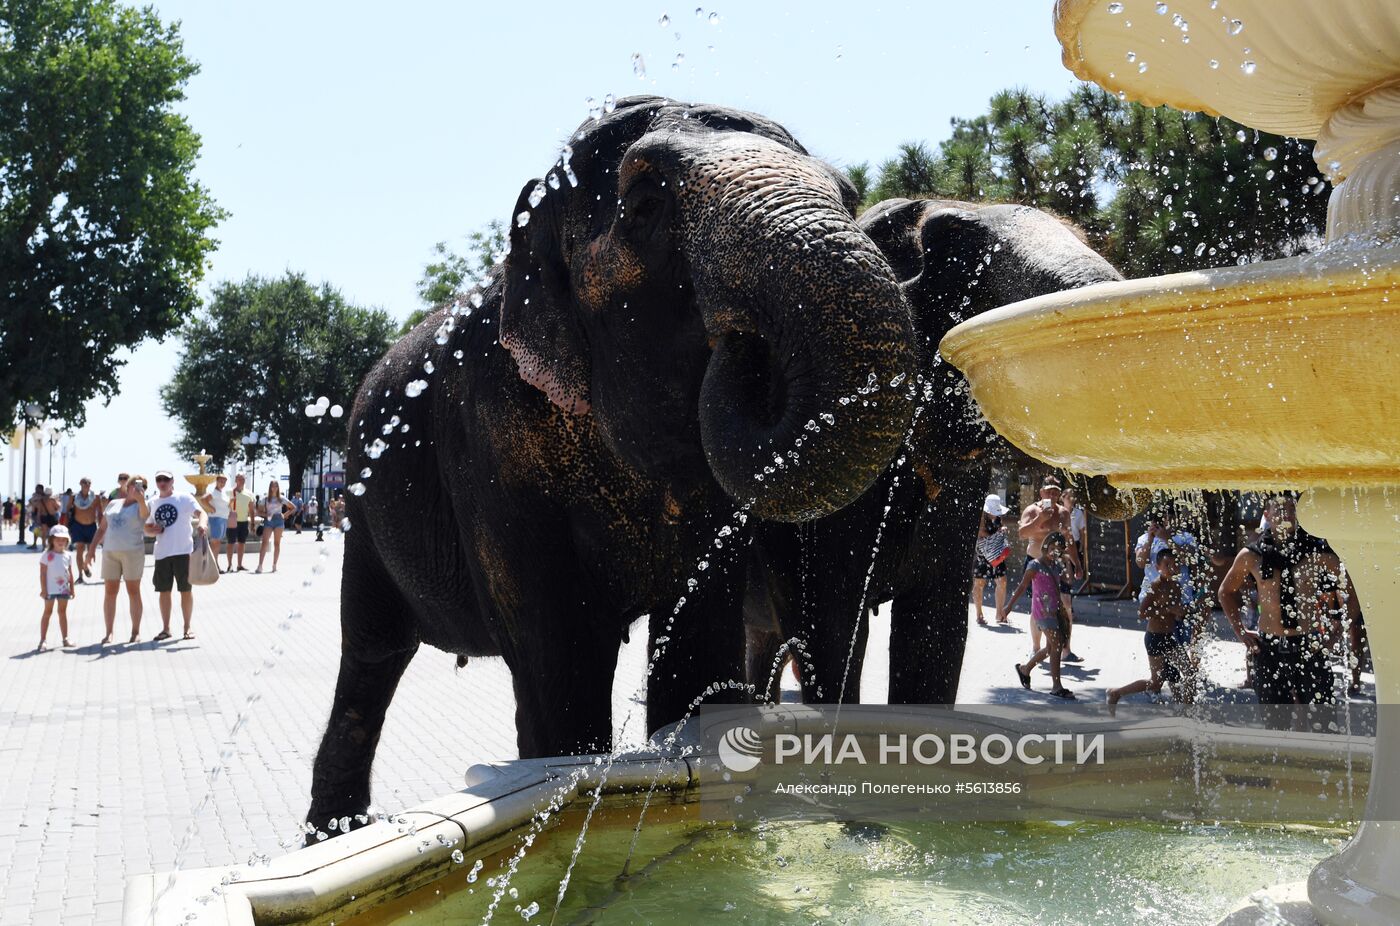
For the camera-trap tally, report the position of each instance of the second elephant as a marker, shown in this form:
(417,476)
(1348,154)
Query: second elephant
(909,539)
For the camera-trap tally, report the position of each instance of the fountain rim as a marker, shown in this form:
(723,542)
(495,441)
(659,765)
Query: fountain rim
(1311,287)
(312,883)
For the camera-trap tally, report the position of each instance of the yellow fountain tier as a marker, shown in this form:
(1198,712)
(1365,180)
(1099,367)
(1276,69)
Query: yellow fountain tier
(1328,70)
(1277,374)
(1309,58)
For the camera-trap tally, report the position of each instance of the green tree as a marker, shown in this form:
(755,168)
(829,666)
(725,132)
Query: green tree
(859,175)
(913,172)
(103,230)
(1157,190)
(261,351)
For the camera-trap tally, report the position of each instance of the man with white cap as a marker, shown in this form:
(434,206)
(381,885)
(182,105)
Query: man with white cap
(993,549)
(169,522)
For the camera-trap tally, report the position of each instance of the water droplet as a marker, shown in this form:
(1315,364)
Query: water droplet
(1142,67)
(536,197)
(376,449)
(1270,154)
(680,59)
(1214,65)
(1247,67)
(713,19)
(1236,27)
(609,103)
(413,390)
(1161,8)
(1132,56)
(357,488)
(1200,249)
(552,180)
(366,473)
(476,300)
(428,367)
(1239,135)
(664,21)
(457,354)
(828,417)
(639,67)
(1115,8)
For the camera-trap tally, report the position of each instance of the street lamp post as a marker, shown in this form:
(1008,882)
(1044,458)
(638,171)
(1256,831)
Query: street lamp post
(53,439)
(318,411)
(31,411)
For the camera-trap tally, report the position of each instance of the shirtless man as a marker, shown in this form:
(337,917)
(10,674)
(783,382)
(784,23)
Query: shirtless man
(1288,566)
(1038,521)
(84,515)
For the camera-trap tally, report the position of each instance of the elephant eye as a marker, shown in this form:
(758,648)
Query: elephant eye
(645,207)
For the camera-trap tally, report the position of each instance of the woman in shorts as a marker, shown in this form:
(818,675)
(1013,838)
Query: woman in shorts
(123,540)
(275,510)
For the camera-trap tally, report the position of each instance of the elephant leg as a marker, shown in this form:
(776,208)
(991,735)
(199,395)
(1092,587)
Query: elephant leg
(340,775)
(928,626)
(705,645)
(378,639)
(836,636)
(563,693)
(928,634)
(763,630)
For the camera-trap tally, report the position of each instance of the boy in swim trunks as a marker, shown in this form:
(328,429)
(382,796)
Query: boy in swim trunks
(1162,607)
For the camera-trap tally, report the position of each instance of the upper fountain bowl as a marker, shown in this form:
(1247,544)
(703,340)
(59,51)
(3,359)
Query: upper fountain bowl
(1284,69)
(1273,375)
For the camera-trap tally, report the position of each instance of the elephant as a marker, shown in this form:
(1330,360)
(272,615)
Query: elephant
(910,538)
(602,424)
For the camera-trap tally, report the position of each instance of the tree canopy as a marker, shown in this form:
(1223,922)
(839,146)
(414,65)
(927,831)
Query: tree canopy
(261,351)
(1157,190)
(104,233)
(450,273)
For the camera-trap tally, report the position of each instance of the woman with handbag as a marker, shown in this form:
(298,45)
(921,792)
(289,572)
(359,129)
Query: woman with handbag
(989,562)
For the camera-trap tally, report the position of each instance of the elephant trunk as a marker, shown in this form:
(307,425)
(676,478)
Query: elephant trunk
(808,392)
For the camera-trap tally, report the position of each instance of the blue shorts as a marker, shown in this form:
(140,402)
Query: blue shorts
(275,523)
(81,533)
(217,527)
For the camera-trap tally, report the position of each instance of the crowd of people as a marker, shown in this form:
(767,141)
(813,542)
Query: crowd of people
(70,527)
(1285,594)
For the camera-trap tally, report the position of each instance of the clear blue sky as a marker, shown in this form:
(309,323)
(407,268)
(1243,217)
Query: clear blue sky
(345,138)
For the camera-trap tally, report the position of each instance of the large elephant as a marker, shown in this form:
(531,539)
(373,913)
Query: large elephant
(685,291)
(814,582)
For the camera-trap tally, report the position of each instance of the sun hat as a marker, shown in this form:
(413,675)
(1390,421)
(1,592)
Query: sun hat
(59,530)
(164,473)
(994,507)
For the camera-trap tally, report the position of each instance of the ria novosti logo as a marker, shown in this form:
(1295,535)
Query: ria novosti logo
(740,749)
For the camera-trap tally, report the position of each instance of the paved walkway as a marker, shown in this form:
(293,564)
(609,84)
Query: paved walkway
(105,752)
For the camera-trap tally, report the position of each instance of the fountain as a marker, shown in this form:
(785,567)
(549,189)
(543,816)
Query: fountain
(445,860)
(1279,372)
(201,480)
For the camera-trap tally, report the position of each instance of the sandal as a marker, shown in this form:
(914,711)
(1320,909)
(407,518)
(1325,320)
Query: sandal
(66,644)
(1063,693)
(135,638)
(1071,657)
(106,641)
(188,636)
(982,621)
(42,648)
(161,637)
(1024,676)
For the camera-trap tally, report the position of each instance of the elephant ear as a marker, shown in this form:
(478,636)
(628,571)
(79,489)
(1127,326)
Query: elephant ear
(538,323)
(894,227)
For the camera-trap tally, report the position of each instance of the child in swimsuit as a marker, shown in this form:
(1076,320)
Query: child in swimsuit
(1162,607)
(1042,576)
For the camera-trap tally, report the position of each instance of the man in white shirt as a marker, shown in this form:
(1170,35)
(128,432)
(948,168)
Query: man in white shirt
(169,523)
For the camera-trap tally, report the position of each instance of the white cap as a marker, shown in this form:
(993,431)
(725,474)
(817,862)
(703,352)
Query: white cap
(994,507)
